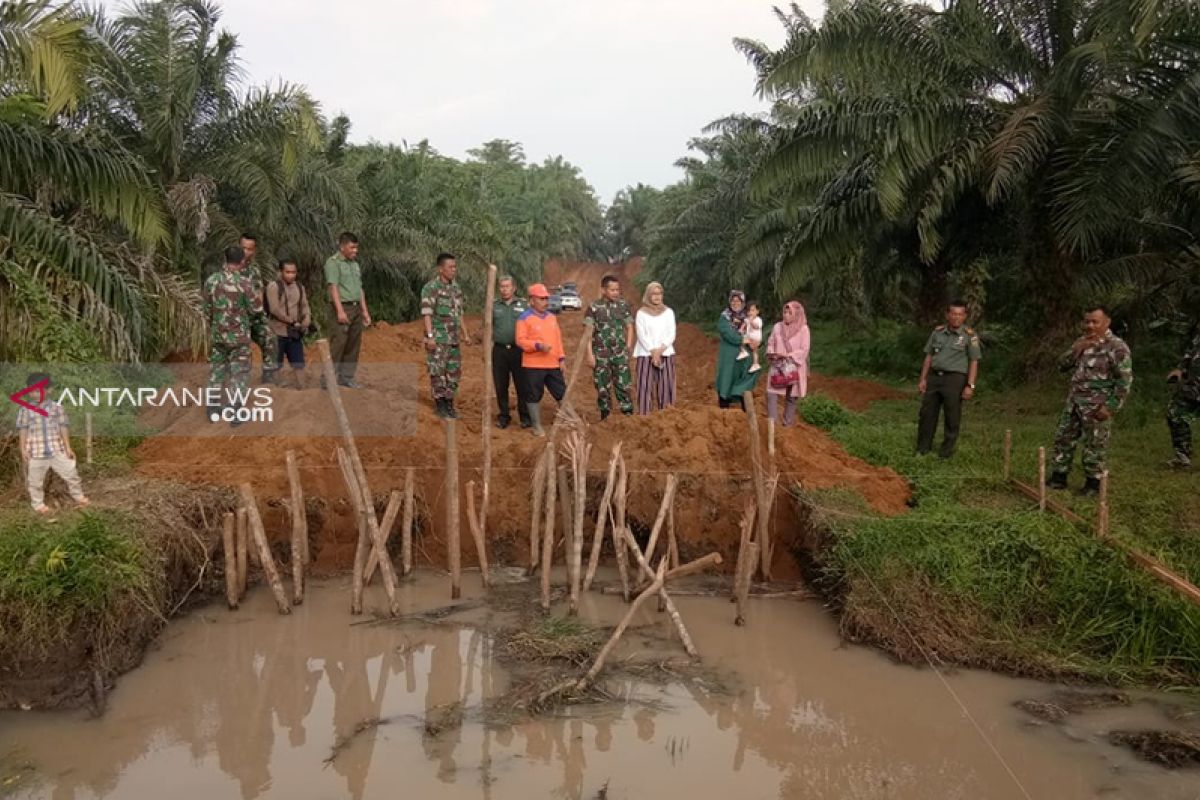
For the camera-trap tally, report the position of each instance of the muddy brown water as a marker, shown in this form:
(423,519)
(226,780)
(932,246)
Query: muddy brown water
(252,705)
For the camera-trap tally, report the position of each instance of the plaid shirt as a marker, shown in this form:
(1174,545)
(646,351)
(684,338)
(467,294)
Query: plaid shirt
(44,435)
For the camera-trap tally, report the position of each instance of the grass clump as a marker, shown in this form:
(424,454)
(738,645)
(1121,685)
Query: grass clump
(823,412)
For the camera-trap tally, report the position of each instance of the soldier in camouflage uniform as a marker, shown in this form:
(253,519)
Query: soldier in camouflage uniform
(1101,370)
(1184,405)
(260,332)
(233,310)
(612,339)
(442,312)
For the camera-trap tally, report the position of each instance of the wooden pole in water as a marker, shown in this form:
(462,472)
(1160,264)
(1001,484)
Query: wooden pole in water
(406,529)
(564,502)
(667,499)
(243,547)
(746,527)
(536,510)
(651,590)
(374,535)
(452,513)
(360,518)
(548,526)
(231,568)
(760,486)
(299,529)
(386,527)
(488,390)
(1007,454)
(1041,479)
(743,580)
(618,527)
(1102,510)
(87,419)
(477,534)
(672,543)
(264,549)
(580,452)
(601,517)
(669,604)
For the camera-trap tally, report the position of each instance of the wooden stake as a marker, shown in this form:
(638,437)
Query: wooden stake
(231,568)
(536,510)
(264,550)
(672,543)
(386,527)
(743,581)
(299,529)
(771,437)
(618,526)
(585,341)
(243,547)
(747,527)
(564,511)
(667,603)
(651,590)
(360,518)
(601,517)
(1007,454)
(87,419)
(452,513)
(477,534)
(580,453)
(1041,479)
(488,390)
(760,487)
(713,559)
(406,529)
(667,500)
(548,526)
(1102,510)
(374,535)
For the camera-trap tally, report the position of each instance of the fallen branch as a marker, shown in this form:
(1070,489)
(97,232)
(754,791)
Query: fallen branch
(667,602)
(651,590)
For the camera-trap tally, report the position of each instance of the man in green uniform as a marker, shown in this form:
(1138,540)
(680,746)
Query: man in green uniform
(947,378)
(442,313)
(1101,370)
(506,356)
(1184,406)
(348,307)
(232,309)
(261,334)
(612,339)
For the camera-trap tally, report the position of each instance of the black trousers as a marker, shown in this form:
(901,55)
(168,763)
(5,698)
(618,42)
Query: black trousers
(506,363)
(942,390)
(540,381)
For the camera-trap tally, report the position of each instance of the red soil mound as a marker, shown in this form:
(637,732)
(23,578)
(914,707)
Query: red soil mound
(705,446)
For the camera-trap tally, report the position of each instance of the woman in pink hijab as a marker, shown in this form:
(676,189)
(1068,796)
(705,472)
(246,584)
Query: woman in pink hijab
(787,352)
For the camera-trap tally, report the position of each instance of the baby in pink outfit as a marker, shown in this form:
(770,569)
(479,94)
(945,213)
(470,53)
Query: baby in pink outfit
(752,330)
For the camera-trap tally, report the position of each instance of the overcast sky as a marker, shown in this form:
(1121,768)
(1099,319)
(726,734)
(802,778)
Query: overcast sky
(615,86)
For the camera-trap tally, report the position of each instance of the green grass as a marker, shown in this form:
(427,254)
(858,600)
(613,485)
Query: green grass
(977,574)
(57,575)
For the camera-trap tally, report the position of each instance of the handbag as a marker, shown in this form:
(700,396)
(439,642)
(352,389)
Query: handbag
(784,373)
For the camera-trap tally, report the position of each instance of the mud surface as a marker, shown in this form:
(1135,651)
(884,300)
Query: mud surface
(249,704)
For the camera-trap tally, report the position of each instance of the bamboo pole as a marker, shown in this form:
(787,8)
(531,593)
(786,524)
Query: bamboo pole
(87,419)
(299,529)
(576,367)
(536,510)
(564,510)
(1007,454)
(651,590)
(1102,510)
(264,550)
(713,559)
(231,568)
(601,517)
(770,437)
(663,596)
(580,452)
(243,547)
(488,390)
(743,582)
(672,542)
(453,517)
(1041,479)
(477,534)
(386,527)
(746,527)
(406,529)
(618,525)
(548,526)
(667,499)
(760,488)
(374,535)
(360,518)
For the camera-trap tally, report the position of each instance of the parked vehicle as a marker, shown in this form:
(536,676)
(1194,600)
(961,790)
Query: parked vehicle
(569,298)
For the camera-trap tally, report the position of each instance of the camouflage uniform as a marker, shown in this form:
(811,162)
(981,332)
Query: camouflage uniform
(1101,377)
(234,312)
(260,328)
(443,303)
(609,321)
(1184,405)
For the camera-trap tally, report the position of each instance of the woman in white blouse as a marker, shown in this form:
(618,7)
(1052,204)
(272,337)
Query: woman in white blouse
(655,352)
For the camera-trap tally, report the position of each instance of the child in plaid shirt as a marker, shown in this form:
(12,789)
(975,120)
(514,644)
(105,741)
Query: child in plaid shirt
(46,445)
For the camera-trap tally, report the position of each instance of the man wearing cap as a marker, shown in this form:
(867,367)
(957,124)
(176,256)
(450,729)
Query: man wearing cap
(506,356)
(542,354)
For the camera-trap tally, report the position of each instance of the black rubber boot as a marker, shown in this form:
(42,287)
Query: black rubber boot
(450,412)
(1091,487)
(1057,480)
(439,408)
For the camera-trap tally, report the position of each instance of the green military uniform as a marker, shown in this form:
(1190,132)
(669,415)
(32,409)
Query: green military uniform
(443,303)
(951,351)
(610,320)
(1184,405)
(234,312)
(260,330)
(345,341)
(506,358)
(1101,377)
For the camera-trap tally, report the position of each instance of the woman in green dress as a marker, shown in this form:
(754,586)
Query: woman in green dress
(733,376)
